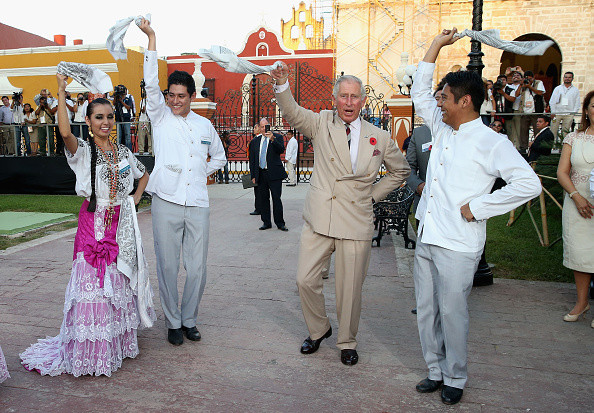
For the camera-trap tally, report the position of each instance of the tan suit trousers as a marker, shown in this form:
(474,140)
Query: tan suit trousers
(561,120)
(351,264)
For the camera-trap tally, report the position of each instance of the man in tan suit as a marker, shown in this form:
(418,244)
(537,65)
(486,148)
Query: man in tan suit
(338,213)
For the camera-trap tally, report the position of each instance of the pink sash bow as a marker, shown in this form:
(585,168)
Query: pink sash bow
(100,254)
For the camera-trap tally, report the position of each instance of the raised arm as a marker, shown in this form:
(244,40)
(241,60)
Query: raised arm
(69,139)
(155,102)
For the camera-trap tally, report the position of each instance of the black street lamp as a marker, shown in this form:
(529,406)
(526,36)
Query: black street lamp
(483,274)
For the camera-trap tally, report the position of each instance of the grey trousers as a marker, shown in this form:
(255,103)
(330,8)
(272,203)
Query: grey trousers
(443,280)
(180,228)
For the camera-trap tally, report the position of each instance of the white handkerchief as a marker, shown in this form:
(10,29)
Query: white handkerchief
(115,40)
(231,63)
(88,76)
(491,38)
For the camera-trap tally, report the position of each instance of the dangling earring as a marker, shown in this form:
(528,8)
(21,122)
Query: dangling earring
(91,134)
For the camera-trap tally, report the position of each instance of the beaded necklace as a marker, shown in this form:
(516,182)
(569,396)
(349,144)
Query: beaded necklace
(113,183)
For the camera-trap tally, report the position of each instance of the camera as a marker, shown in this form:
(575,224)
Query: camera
(119,90)
(16,96)
(266,128)
(526,81)
(497,85)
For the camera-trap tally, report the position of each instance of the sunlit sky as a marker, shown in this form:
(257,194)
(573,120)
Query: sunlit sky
(181,26)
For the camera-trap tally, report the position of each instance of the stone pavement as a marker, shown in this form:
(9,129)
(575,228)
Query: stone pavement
(522,356)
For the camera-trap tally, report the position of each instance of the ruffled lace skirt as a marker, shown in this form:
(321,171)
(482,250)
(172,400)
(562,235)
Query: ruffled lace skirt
(98,330)
(3,369)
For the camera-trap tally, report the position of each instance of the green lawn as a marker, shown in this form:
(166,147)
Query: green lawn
(516,250)
(43,203)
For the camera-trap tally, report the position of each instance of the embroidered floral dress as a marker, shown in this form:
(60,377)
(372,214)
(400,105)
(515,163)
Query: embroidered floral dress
(3,369)
(578,232)
(101,313)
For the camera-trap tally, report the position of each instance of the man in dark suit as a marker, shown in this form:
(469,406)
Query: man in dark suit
(543,140)
(268,171)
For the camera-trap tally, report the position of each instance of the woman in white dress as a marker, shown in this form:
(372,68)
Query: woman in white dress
(108,297)
(573,173)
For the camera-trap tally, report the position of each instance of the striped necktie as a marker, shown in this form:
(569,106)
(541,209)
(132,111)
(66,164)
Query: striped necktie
(348,133)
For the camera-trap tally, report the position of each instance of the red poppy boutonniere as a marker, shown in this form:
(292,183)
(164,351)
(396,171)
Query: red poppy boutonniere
(372,141)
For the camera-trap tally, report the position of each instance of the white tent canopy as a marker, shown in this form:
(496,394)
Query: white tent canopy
(6,88)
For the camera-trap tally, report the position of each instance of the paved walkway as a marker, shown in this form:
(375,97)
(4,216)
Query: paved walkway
(522,356)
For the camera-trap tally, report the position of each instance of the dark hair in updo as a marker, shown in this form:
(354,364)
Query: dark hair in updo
(90,109)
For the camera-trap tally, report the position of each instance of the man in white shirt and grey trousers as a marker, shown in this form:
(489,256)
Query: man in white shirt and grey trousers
(182,141)
(466,158)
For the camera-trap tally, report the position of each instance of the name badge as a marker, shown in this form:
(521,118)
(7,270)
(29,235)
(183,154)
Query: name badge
(123,166)
(205,141)
(564,101)
(426,147)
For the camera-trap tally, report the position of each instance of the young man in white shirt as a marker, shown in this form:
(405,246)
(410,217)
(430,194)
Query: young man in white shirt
(565,103)
(182,143)
(291,158)
(466,159)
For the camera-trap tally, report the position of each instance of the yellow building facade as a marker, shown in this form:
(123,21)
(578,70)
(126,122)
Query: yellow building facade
(33,69)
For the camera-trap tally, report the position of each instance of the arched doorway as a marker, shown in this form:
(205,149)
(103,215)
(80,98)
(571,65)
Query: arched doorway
(546,68)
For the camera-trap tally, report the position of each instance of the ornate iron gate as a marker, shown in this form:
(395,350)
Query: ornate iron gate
(239,110)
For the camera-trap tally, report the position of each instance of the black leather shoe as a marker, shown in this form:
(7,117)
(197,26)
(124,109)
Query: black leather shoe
(310,346)
(414,310)
(254,212)
(451,395)
(428,386)
(192,333)
(175,336)
(349,357)
(283,228)
(265,227)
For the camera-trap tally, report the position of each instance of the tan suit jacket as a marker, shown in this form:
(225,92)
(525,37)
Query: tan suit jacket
(338,203)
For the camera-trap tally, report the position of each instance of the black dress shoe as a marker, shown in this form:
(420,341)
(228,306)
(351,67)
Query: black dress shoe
(310,346)
(283,228)
(414,310)
(451,395)
(255,213)
(265,227)
(192,333)
(428,386)
(349,357)
(175,336)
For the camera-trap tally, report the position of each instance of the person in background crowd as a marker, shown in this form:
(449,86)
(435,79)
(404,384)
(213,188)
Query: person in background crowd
(291,157)
(20,129)
(488,105)
(31,121)
(145,136)
(564,103)
(385,117)
(6,129)
(45,113)
(513,125)
(574,170)
(366,112)
(79,115)
(543,139)
(531,97)
(226,141)
(497,126)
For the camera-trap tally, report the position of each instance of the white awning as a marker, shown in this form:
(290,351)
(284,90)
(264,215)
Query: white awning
(75,87)
(6,88)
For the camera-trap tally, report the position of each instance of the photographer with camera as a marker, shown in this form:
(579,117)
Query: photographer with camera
(46,114)
(18,119)
(504,96)
(531,93)
(124,110)
(78,127)
(6,135)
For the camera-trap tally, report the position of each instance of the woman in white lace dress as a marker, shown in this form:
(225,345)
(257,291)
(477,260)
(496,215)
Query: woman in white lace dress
(108,297)
(573,173)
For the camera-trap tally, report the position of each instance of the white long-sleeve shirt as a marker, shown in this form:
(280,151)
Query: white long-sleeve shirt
(181,146)
(291,151)
(565,100)
(463,166)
